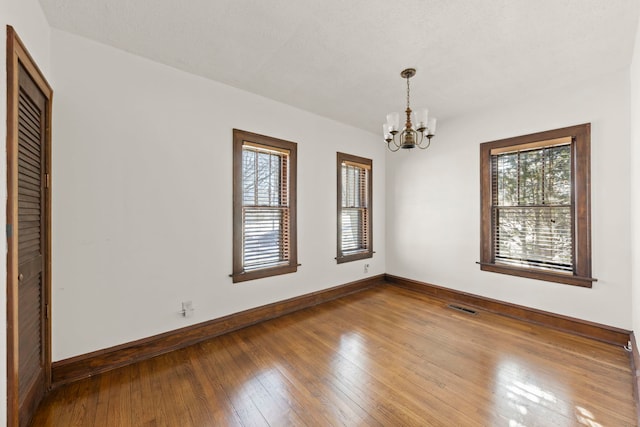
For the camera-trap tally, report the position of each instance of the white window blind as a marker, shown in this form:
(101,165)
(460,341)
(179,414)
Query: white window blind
(532,208)
(265,207)
(354,209)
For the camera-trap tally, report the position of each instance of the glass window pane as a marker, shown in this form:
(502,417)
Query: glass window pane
(558,175)
(530,228)
(507,175)
(265,221)
(248,177)
(530,176)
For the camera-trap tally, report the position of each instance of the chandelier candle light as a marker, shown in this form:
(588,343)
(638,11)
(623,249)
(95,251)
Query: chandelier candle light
(409,137)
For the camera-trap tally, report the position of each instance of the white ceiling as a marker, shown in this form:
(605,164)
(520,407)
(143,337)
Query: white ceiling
(342,58)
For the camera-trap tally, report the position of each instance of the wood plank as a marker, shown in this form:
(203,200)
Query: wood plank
(239,388)
(119,399)
(287,387)
(211,390)
(85,398)
(100,411)
(275,409)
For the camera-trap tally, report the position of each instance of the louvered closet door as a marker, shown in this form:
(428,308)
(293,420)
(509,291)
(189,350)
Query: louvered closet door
(31,243)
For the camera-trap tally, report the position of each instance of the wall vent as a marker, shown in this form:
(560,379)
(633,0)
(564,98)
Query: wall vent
(462,309)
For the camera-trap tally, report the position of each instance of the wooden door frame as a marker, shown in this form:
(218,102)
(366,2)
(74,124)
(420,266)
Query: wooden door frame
(18,54)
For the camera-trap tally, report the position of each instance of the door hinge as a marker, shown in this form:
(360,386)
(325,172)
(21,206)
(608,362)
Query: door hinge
(47,311)
(47,180)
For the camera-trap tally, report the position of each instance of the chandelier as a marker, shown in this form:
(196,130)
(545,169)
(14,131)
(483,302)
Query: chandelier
(409,137)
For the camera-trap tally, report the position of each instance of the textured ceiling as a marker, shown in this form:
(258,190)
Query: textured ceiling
(342,58)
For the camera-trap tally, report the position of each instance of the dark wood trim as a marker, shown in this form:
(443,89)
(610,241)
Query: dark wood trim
(18,54)
(596,331)
(12,241)
(635,370)
(549,276)
(581,200)
(87,365)
(368,163)
(239,137)
(90,364)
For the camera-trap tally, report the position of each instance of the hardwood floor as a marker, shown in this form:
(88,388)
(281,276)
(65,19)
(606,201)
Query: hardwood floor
(382,357)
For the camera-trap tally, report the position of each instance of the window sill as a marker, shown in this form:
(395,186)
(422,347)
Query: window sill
(263,272)
(354,257)
(567,279)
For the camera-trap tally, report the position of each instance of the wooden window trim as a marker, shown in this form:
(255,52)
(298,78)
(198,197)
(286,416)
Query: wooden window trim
(365,164)
(239,138)
(581,197)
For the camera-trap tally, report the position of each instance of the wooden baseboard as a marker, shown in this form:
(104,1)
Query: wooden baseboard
(87,365)
(604,333)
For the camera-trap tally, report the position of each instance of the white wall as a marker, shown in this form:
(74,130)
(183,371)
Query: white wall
(28,20)
(142,197)
(635,185)
(437,194)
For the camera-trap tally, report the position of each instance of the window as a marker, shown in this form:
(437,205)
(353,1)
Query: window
(354,208)
(264,206)
(535,206)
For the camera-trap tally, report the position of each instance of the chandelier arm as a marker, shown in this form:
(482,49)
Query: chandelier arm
(426,146)
(391,149)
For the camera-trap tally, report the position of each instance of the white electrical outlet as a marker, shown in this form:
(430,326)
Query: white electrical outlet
(366,268)
(187,309)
